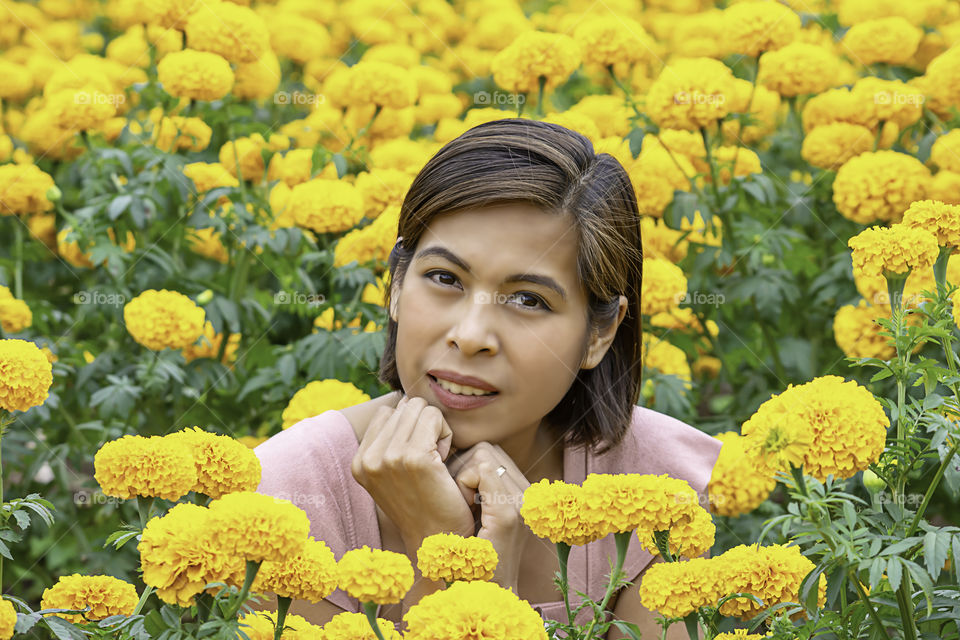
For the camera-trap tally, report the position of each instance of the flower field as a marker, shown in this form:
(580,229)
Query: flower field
(197,203)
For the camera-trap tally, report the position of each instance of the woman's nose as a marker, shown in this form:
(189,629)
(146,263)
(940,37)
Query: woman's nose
(474,330)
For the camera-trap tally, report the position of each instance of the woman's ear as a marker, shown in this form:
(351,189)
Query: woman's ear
(394,299)
(601,340)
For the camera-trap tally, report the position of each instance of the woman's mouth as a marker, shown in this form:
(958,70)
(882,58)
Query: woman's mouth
(457,396)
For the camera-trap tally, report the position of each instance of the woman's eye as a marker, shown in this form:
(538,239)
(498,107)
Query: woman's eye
(527,300)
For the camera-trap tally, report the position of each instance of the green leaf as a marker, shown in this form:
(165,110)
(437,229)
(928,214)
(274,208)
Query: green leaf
(62,629)
(894,572)
(341,164)
(118,206)
(877,568)
(4,551)
(936,549)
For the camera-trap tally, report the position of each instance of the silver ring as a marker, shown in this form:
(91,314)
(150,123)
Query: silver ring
(501,470)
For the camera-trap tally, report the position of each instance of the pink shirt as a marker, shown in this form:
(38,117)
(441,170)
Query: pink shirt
(309,464)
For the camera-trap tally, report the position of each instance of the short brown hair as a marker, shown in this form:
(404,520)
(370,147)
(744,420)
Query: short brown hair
(516,160)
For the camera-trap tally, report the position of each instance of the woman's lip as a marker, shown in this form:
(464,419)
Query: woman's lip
(459,402)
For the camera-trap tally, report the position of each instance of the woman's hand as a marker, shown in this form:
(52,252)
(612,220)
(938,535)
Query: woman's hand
(500,498)
(400,462)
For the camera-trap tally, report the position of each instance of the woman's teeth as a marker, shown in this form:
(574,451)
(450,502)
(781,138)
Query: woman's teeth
(463,390)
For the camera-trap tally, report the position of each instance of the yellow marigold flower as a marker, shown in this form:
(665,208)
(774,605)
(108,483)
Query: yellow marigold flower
(659,240)
(208,345)
(799,68)
(298,38)
(608,40)
(763,107)
(434,108)
(689,537)
(664,286)
(179,555)
(310,574)
(372,242)
(449,557)
(532,55)
(739,482)
(259,79)
(857,333)
(15,315)
(879,185)
(326,206)
(145,466)
(892,40)
(375,293)
(325,320)
(25,375)
(171,14)
(664,357)
(750,28)
(690,93)
(556,510)
(176,132)
(894,250)
(206,242)
(23,189)
(404,154)
(209,175)
(356,626)
(82,109)
(245,152)
(747,163)
(842,423)
(739,634)
(8,619)
(18,81)
(70,251)
(653,192)
(683,319)
(294,167)
(852,12)
(371,83)
(258,527)
(624,502)
(199,75)
(105,595)
(235,32)
(574,121)
(676,589)
(375,575)
(381,188)
(829,146)
(698,232)
(609,113)
(390,123)
(163,319)
(223,464)
(772,573)
(894,101)
(319,396)
(252,442)
(259,625)
(940,218)
(673,167)
(446,614)
(43,227)
(945,152)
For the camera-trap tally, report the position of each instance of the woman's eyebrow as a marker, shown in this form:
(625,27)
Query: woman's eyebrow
(443,252)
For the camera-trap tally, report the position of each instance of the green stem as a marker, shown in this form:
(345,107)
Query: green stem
(283,604)
(18,259)
(905,603)
(563,555)
(753,88)
(143,599)
(541,83)
(933,485)
(713,170)
(4,421)
(252,568)
(771,343)
(144,506)
(797,473)
(878,623)
(626,92)
(876,139)
(622,541)
(940,268)
(370,609)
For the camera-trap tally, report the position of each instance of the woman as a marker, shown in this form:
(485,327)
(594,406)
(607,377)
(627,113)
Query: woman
(513,348)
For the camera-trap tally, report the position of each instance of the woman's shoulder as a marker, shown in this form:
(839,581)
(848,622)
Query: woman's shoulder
(656,444)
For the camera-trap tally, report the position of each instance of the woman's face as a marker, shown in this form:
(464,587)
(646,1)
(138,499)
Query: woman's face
(493,294)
